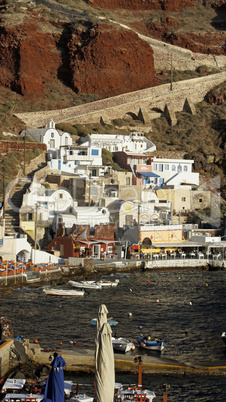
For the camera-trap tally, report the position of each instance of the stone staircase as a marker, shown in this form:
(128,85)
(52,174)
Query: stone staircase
(12,224)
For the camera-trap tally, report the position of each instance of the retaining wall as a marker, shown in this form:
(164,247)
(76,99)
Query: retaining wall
(147,100)
(5,349)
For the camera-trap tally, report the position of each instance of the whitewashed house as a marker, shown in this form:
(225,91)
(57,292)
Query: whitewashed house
(174,172)
(89,216)
(135,142)
(40,208)
(75,159)
(50,136)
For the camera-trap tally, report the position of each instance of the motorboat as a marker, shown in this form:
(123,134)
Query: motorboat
(147,343)
(85,284)
(104,283)
(13,385)
(223,337)
(110,321)
(122,345)
(63,292)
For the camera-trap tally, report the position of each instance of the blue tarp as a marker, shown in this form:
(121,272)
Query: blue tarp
(54,390)
(148,174)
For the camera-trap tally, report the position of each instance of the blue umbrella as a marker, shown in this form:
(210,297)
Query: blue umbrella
(54,390)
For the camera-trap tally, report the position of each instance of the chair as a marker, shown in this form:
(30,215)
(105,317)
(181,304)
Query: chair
(140,398)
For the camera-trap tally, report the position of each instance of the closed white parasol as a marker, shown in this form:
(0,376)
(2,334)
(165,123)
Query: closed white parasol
(104,359)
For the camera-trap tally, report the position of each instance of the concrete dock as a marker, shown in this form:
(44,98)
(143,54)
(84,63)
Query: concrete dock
(82,360)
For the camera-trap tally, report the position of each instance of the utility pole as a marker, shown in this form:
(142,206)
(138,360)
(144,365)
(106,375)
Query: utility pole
(25,152)
(36,218)
(171,72)
(138,218)
(90,175)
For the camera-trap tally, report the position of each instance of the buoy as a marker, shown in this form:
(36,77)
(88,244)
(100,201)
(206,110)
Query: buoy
(190,303)
(157,301)
(130,314)
(131,290)
(60,306)
(186,331)
(71,342)
(149,338)
(179,277)
(207,284)
(140,327)
(74,342)
(148,281)
(61,343)
(36,341)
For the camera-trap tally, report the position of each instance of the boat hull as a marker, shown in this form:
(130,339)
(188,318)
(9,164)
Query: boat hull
(223,337)
(64,293)
(122,345)
(156,345)
(84,285)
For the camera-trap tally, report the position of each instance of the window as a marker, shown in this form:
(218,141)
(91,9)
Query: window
(143,161)
(173,168)
(94,152)
(155,180)
(183,199)
(52,144)
(185,168)
(52,135)
(61,195)
(160,167)
(155,166)
(136,161)
(110,249)
(200,200)
(167,167)
(66,141)
(179,168)
(128,181)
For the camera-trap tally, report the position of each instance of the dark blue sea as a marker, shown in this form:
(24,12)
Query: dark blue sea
(187,310)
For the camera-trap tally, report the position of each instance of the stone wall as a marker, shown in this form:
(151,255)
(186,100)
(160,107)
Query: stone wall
(18,146)
(5,357)
(148,99)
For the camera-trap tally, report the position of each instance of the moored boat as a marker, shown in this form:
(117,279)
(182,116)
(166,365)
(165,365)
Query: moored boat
(134,393)
(223,337)
(12,397)
(111,322)
(122,345)
(104,283)
(63,292)
(84,284)
(147,343)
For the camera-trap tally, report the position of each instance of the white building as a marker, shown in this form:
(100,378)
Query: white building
(78,160)
(135,142)
(40,208)
(174,172)
(85,216)
(50,136)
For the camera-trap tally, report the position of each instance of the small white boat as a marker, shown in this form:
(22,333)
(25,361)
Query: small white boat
(103,283)
(84,284)
(63,292)
(223,337)
(110,321)
(122,345)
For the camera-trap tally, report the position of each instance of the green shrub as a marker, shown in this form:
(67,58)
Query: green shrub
(67,127)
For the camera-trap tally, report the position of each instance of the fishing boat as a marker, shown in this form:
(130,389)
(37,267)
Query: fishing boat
(147,343)
(104,283)
(110,321)
(122,345)
(84,284)
(223,337)
(63,292)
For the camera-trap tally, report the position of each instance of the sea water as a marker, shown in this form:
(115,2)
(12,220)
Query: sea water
(187,310)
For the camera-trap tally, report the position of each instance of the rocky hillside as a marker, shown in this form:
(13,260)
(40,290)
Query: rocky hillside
(56,54)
